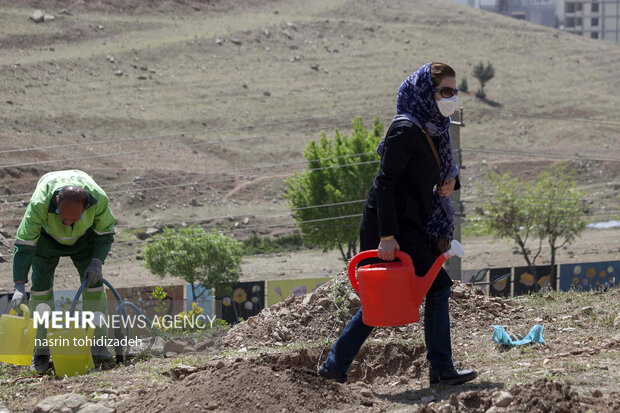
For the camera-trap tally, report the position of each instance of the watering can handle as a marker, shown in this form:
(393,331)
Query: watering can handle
(402,256)
(24,308)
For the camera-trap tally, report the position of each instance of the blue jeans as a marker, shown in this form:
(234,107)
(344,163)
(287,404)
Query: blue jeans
(436,336)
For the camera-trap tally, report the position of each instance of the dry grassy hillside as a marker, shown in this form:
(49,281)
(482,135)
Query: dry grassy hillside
(205,93)
(196,110)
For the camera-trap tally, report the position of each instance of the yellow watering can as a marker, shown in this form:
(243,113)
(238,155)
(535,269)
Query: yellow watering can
(17,336)
(70,350)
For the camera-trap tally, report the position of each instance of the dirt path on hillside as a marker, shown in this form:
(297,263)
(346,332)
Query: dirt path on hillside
(241,186)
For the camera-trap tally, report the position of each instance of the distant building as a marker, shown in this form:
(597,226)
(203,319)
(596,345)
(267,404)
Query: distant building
(598,19)
(542,12)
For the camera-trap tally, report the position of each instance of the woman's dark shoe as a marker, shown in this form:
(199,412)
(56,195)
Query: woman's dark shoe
(451,376)
(40,361)
(328,374)
(100,355)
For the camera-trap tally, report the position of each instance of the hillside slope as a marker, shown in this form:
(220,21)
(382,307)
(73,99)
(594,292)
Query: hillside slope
(223,97)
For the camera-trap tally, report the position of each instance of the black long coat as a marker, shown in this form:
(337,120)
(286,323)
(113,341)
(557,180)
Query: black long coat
(401,197)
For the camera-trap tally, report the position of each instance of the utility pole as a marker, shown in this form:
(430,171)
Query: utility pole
(453,265)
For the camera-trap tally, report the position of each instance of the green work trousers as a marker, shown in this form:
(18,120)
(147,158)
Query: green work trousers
(46,256)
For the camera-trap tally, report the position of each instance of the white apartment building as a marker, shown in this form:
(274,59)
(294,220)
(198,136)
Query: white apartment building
(598,19)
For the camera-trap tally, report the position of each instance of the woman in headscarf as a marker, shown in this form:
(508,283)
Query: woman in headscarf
(408,209)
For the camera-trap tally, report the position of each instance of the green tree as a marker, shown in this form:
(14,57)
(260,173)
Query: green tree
(550,208)
(340,170)
(209,259)
(560,208)
(463,87)
(484,74)
(505,213)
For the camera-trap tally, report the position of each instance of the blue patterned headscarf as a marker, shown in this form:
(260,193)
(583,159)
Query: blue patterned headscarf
(415,101)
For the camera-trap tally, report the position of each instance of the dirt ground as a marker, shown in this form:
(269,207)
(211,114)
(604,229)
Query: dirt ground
(196,111)
(269,361)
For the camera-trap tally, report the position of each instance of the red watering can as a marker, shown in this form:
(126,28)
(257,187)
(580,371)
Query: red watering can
(391,292)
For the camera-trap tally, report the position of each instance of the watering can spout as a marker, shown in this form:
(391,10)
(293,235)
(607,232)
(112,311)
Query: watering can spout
(423,284)
(456,249)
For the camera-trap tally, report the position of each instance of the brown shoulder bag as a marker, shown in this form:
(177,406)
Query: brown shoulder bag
(443,244)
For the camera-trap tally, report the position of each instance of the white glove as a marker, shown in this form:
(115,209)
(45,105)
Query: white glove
(19,295)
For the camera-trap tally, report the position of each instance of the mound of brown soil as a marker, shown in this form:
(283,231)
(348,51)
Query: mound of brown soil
(272,383)
(540,396)
(315,316)
(278,351)
(287,382)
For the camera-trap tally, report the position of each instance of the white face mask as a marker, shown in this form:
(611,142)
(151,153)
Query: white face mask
(447,106)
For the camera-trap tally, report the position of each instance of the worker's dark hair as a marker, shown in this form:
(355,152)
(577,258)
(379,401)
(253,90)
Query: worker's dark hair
(73,194)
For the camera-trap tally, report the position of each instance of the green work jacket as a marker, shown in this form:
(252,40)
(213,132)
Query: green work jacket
(42,215)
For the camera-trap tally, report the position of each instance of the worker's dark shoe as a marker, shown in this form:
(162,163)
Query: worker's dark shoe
(101,355)
(451,376)
(40,360)
(328,374)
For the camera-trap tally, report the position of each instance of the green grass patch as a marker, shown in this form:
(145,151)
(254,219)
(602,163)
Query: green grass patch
(266,245)
(128,235)
(11,372)
(551,299)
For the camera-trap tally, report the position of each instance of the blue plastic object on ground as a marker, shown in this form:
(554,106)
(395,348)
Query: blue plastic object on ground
(534,336)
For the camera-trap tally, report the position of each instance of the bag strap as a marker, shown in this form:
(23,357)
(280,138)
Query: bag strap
(430,142)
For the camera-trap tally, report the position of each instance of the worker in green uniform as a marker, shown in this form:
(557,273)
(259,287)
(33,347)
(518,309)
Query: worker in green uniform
(68,216)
